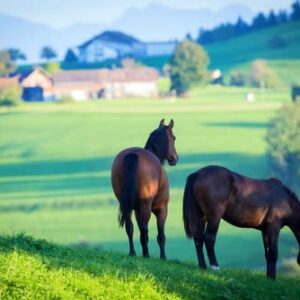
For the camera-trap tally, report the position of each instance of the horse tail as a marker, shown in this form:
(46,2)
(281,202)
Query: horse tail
(191,211)
(128,193)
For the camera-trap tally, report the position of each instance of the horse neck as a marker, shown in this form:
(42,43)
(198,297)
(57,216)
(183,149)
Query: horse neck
(151,148)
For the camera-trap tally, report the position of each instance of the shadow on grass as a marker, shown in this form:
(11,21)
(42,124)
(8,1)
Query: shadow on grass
(94,174)
(245,125)
(185,280)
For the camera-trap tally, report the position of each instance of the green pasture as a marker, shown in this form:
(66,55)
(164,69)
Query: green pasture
(55,166)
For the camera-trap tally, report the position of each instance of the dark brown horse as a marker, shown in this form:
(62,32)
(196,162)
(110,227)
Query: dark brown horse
(214,193)
(141,184)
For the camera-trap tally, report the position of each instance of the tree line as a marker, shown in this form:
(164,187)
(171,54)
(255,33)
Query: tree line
(227,31)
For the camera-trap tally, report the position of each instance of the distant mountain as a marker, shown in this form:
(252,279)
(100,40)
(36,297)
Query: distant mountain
(159,22)
(152,23)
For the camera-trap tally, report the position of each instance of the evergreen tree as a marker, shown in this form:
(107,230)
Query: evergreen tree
(272,19)
(295,15)
(241,27)
(259,21)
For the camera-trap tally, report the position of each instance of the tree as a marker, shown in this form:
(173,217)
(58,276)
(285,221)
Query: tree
(10,96)
(188,66)
(48,53)
(241,27)
(282,17)
(263,76)
(16,54)
(70,57)
(272,19)
(283,139)
(295,15)
(238,78)
(6,64)
(259,21)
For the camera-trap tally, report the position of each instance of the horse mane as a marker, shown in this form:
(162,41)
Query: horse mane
(158,143)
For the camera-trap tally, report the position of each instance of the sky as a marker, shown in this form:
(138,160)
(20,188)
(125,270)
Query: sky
(63,13)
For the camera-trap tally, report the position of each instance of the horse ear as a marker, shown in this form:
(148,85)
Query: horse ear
(161,123)
(171,125)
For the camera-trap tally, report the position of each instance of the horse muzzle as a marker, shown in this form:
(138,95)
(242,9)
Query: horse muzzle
(173,161)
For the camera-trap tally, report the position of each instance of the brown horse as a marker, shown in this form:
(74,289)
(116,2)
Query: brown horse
(141,184)
(214,193)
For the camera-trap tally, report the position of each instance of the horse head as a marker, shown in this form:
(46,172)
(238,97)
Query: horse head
(162,143)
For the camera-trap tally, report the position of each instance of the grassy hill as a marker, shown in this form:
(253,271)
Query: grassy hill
(37,269)
(240,51)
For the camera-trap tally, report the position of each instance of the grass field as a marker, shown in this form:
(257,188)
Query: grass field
(37,269)
(55,166)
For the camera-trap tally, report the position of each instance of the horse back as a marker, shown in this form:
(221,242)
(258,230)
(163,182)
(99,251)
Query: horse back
(148,174)
(240,200)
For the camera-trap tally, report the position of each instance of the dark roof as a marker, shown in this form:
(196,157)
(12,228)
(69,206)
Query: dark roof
(112,36)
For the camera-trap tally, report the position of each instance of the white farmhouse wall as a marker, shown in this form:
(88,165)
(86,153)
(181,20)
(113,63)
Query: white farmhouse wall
(131,89)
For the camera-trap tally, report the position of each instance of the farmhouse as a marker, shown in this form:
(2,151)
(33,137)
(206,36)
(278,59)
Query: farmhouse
(104,83)
(117,45)
(36,84)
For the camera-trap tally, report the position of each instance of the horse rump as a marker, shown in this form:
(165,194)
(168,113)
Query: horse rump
(192,213)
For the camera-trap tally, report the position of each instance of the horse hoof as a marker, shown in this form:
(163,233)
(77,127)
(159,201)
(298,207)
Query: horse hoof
(163,258)
(132,254)
(215,268)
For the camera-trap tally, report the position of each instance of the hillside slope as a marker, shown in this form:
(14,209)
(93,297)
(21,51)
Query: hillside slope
(239,51)
(37,269)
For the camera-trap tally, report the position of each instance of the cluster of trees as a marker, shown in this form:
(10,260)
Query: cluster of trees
(10,57)
(261,75)
(229,30)
(283,139)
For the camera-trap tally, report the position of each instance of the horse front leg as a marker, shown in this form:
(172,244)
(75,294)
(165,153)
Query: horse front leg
(270,238)
(161,216)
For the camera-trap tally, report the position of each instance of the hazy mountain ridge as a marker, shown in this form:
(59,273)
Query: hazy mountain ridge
(153,23)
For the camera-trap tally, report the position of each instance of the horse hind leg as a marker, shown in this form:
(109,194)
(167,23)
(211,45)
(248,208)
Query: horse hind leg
(210,240)
(129,231)
(143,216)
(161,216)
(198,241)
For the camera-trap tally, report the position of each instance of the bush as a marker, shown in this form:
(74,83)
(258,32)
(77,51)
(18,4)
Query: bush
(52,67)
(10,96)
(283,139)
(277,42)
(238,78)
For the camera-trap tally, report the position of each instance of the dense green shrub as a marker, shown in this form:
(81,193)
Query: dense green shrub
(238,78)
(283,139)
(10,96)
